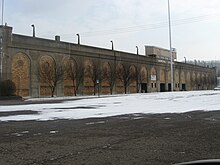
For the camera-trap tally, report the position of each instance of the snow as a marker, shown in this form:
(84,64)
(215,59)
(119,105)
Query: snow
(168,102)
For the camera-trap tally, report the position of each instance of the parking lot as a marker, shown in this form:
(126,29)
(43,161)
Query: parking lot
(127,139)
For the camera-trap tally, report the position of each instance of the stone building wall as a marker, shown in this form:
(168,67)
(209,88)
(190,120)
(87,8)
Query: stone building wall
(32,63)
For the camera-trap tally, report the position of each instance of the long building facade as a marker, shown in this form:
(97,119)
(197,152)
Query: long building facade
(40,67)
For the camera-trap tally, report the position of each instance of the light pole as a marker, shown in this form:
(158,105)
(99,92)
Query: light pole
(113,81)
(2,12)
(1,55)
(78,38)
(97,82)
(171,50)
(33,30)
(137,50)
(112,45)
(185,59)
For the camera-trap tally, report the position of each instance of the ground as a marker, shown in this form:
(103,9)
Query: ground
(157,139)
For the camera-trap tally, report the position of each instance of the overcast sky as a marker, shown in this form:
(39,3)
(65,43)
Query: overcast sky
(129,23)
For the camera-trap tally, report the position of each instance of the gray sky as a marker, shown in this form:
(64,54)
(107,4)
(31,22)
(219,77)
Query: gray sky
(195,23)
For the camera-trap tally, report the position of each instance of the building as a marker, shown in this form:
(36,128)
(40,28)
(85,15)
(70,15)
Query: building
(153,51)
(40,67)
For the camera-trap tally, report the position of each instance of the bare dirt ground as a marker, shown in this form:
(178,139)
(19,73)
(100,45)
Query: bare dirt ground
(157,139)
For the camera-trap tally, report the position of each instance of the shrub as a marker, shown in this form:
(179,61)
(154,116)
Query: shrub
(7,88)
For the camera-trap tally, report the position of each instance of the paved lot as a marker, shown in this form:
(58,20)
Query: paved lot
(129,139)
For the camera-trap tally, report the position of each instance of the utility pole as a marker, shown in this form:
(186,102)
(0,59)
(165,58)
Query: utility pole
(2,12)
(171,50)
(2,32)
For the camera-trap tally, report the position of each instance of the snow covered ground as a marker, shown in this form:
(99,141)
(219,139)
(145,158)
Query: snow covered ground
(168,102)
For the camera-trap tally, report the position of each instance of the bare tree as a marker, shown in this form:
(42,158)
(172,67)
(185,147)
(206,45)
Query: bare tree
(109,75)
(95,75)
(79,76)
(51,75)
(125,75)
(138,79)
(75,73)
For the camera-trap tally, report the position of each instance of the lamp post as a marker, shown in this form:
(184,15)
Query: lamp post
(113,81)
(97,82)
(137,50)
(112,45)
(185,59)
(78,38)
(33,30)
(171,50)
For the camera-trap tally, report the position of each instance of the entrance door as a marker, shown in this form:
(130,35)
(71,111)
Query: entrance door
(183,87)
(143,87)
(169,87)
(162,87)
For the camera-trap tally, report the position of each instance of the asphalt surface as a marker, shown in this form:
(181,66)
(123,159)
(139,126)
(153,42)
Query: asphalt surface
(157,139)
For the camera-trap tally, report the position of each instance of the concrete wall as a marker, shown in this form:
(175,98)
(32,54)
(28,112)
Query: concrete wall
(94,69)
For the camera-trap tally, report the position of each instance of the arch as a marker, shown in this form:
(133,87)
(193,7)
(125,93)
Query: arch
(119,78)
(70,77)
(182,77)
(193,77)
(21,74)
(203,81)
(153,74)
(176,80)
(162,76)
(108,78)
(162,79)
(133,79)
(194,81)
(207,81)
(143,75)
(143,80)
(169,76)
(176,77)
(198,77)
(88,77)
(188,78)
(153,79)
(188,81)
(46,75)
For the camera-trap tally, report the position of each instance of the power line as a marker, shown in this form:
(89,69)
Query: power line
(144,27)
(149,26)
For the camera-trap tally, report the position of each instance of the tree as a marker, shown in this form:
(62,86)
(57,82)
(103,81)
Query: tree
(139,79)
(95,75)
(125,74)
(109,75)
(7,88)
(51,74)
(79,76)
(75,73)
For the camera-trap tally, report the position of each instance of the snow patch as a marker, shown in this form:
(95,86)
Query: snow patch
(142,103)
